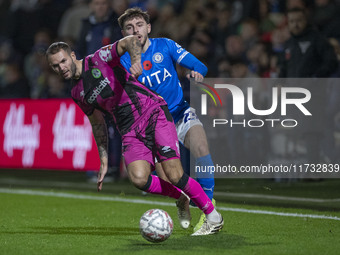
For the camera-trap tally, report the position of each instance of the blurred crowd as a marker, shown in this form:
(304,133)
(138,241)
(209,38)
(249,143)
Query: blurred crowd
(234,38)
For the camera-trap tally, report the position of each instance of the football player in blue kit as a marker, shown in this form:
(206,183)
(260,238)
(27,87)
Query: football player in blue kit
(159,58)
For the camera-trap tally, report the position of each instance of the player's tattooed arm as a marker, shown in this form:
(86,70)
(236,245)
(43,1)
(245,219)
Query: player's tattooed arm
(133,46)
(99,131)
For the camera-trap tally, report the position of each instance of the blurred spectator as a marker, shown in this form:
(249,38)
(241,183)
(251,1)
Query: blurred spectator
(166,24)
(266,22)
(23,22)
(202,46)
(55,87)
(239,69)
(6,55)
(326,16)
(119,6)
(15,84)
(35,65)
(223,68)
(234,47)
(307,53)
(71,21)
(249,32)
(324,12)
(4,7)
(291,4)
(332,110)
(254,53)
(241,9)
(50,13)
(336,46)
(222,26)
(99,29)
(278,37)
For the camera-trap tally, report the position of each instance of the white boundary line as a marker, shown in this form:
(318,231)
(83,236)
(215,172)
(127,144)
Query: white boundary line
(218,193)
(275,197)
(142,201)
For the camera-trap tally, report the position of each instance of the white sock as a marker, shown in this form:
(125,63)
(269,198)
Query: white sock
(214,216)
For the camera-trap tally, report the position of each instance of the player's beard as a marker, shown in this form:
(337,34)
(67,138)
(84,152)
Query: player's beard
(73,70)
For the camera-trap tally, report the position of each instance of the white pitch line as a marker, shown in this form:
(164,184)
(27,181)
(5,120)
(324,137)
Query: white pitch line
(142,201)
(218,193)
(274,197)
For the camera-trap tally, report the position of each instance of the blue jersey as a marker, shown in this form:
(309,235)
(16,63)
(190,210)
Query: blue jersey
(159,72)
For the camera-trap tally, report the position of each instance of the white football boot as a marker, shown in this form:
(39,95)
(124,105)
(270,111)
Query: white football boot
(183,211)
(209,228)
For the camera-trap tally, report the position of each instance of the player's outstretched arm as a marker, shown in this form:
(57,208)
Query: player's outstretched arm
(132,45)
(99,131)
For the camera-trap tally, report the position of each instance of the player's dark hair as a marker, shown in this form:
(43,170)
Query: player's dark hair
(56,47)
(132,13)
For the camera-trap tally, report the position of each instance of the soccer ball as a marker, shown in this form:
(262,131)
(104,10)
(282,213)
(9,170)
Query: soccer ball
(156,225)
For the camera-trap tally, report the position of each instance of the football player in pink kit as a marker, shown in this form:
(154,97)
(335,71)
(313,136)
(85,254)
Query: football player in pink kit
(101,85)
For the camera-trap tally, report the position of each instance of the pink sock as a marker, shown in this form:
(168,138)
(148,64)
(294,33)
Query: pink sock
(196,194)
(161,187)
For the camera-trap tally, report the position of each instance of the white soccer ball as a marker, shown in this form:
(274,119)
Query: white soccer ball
(156,225)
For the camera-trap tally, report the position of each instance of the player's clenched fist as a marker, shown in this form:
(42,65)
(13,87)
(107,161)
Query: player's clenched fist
(136,69)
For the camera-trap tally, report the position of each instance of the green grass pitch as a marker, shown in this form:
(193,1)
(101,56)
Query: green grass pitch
(83,222)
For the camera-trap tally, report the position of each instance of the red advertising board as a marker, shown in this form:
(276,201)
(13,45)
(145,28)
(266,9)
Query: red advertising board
(46,134)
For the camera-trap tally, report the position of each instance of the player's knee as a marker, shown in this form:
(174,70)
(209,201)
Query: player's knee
(201,150)
(175,178)
(173,170)
(139,181)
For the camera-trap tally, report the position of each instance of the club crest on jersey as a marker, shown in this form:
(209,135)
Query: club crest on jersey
(105,54)
(157,57)
(96,73)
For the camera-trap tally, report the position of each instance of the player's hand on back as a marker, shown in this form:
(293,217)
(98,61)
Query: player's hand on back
(196,75)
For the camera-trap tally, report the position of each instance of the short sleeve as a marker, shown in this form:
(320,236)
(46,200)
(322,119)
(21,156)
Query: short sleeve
(109,53)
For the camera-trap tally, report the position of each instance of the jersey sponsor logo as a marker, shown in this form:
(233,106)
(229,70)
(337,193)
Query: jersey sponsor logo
(180,49)
(97,90)
(96,73)
(159,77)
(105,54)
(157,57)
(147,65)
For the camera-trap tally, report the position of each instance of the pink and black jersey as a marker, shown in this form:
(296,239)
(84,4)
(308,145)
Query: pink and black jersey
(107,86)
